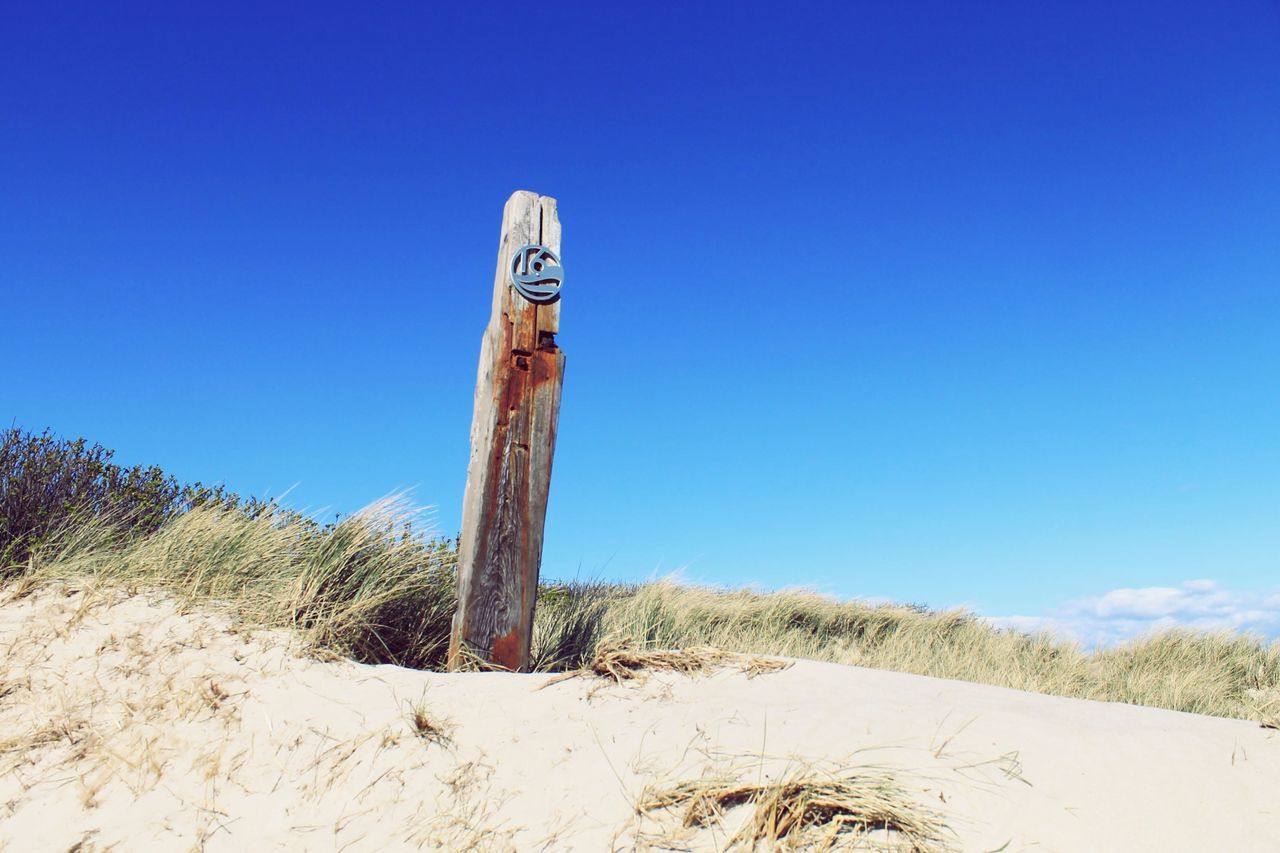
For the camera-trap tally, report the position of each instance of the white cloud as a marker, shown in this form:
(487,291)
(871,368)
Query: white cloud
(1121,614)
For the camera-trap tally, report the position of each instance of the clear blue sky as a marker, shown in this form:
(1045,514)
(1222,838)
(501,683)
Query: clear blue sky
(948,303)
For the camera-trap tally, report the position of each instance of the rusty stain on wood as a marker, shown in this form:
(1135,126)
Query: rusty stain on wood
(513,433)
(506,651)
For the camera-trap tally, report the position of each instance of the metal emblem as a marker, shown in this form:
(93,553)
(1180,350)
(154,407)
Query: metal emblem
(537,274)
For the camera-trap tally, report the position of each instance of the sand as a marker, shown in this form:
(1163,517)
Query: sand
(128,724)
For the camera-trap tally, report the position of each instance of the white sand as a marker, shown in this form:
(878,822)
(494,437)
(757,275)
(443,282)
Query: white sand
(136,727)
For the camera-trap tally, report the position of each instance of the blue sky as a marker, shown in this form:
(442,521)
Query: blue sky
(957,304)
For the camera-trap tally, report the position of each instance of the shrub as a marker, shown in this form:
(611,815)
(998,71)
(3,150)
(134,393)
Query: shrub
(47,483)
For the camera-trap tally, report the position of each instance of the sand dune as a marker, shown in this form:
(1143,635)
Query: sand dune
(128,724)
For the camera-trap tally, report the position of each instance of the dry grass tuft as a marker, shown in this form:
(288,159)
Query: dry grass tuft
(808,809)
(754,665)
(623,659)
(214,694)
(428,727)
(1265,708)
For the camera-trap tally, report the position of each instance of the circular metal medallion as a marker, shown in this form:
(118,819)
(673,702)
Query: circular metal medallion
(536,273)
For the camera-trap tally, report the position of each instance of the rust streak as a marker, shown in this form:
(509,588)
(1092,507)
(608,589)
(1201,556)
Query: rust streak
(543,367)
(506,650)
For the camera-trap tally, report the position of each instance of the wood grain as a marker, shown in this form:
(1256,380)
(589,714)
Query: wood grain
(513,435)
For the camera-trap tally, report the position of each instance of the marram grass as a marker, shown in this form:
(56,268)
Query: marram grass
(366,588)
(805,809)
(370,589)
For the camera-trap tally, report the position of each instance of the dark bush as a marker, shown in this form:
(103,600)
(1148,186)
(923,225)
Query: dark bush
(47,482)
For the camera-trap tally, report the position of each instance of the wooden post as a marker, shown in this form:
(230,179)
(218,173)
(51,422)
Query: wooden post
(513,436)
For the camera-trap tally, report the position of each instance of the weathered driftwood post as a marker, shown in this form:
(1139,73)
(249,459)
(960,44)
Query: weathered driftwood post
(513,436)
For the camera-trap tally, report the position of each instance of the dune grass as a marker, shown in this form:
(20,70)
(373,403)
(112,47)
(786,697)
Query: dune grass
(371,589)
(1218,674)
(806,809)
(367,588)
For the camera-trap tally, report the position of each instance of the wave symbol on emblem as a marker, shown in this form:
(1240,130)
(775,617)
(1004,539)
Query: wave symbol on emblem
(537,274)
